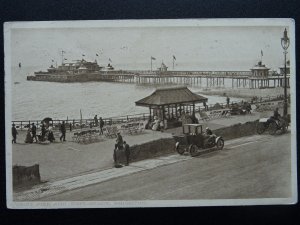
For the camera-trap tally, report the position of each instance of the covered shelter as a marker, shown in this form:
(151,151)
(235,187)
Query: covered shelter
(168,104)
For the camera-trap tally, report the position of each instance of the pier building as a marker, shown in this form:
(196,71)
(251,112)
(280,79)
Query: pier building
(287,68)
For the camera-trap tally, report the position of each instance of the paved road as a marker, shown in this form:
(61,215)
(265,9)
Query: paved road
(257,167)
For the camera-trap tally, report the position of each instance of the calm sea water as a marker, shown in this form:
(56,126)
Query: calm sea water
(34,100)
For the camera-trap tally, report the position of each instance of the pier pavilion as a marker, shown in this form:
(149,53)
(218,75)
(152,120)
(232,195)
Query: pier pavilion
(169,104)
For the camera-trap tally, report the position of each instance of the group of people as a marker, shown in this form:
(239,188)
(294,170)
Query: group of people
(97,122)
(46,133)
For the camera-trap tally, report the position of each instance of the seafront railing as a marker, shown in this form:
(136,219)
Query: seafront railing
(85,123)
(82,123)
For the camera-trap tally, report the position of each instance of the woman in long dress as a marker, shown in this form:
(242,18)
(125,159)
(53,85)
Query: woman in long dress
(28,138)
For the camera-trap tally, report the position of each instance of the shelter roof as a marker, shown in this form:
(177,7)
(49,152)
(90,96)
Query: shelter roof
(171,96)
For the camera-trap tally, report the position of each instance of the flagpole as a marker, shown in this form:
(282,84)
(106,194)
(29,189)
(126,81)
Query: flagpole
(151,63)
(173,63)
(80,120)
(62,57)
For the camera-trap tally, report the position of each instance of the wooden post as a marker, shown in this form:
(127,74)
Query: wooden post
(193,109)
(150,113)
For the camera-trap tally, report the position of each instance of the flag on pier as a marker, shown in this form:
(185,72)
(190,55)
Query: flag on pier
(152,58)
(65,59)
(109,60)
(83,54)
(80,119)
(261,52)
(52,60)
(97,54)
(174,57)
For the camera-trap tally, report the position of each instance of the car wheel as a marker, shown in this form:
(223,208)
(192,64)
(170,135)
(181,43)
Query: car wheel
(193,150)
(272,128)
(220,144)
(179,148)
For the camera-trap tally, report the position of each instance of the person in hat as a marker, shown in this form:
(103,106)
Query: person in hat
(209,136)
(51,135)
(63,131)
(14,133)
(33,132)
(208,131)
(28,138)
(101,125)
(119,141)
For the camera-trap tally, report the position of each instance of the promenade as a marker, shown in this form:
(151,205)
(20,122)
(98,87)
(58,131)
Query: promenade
(61,160)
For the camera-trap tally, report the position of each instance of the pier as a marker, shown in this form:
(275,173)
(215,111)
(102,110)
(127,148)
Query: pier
(212,79)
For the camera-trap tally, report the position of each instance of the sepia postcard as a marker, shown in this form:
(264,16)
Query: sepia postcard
(150,113)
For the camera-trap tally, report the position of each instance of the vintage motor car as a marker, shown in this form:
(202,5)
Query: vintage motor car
(194,140)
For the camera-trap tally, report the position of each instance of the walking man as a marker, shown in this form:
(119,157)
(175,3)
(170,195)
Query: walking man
(33,131)
(63,131)
(14,133)
(228,101)
(127,152)
(96,120)
(43,128)
(101,125)
(119,141)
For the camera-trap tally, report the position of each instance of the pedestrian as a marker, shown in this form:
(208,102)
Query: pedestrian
(33,132)
(51,135)
(43,130)
(118,146)
(119,141)
(63,131)
(70,126)
(127,152)
(101,125)
(205,106)
(28,138)
(96,120)
(228,101)
(14,133)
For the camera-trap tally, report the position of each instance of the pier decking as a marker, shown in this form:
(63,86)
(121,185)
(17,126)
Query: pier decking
(238,79)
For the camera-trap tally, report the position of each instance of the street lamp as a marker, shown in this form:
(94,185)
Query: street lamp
(285,43)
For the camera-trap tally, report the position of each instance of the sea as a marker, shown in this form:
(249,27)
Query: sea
(35,100)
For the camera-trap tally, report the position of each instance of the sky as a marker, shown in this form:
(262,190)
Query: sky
(195,48)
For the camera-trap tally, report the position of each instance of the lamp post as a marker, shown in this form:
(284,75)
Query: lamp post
(285,43)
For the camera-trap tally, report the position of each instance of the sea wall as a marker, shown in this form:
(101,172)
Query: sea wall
(26,175)
(148,150)
(237,130)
